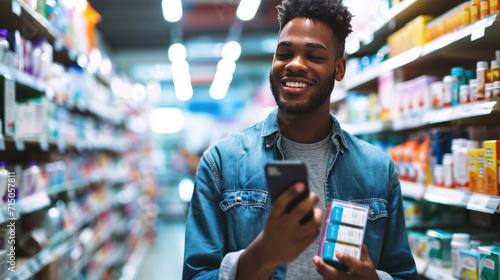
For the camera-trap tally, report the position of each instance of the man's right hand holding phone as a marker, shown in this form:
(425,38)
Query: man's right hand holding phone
(283,238)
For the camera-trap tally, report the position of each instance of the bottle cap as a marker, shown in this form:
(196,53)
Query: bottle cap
(498,54)
(4,33)
(482,65)
(495,64)
(460,237)
(457,71)
(472,144)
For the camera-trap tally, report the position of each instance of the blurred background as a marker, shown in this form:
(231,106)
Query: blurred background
(107,105)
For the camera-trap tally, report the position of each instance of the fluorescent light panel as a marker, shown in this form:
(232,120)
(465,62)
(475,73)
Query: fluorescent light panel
(172,10)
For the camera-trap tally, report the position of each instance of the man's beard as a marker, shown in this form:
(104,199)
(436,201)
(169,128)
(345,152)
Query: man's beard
(312,104)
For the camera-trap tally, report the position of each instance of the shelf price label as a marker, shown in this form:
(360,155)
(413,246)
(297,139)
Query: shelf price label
(2,142)
(483,203)
(16,8)
(437,273)
(19,143)
(478,30)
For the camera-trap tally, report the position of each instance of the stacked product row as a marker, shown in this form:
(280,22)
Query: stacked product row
(401,99)
(36,178)
(442,161)
(471,255)
(426,28)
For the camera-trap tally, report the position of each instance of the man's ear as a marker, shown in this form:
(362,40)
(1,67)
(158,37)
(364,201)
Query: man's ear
(340,69)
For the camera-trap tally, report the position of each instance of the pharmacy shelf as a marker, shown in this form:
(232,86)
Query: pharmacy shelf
(16,14)
(23,78)
(58,245)
(371,127)
(24,206)
(135,260)
(480,35)
(374,35)
(28,143)
(472,201)
(479,112)
(432,271)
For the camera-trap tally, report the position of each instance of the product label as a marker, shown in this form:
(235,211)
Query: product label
(491,168)
(10,107)
(348,216)
(490,264)
(351,235)
(330,249)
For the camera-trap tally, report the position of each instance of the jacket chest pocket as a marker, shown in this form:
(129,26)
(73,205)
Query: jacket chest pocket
(245,212)
(375,226)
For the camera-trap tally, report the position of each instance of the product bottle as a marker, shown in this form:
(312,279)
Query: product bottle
(484,8)
(464,94)
(448,171)
(4,46)
(473,90)
(459,162)
(488,91)
(474,10)
(459,74)
(32,177)
(448,89)
(482,79)
(493,6)
(469,261)
(438,176)
(4,176)
(459,241)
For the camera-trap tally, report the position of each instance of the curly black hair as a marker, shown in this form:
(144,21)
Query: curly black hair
(331,12)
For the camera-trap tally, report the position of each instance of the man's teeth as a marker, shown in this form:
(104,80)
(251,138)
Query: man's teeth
(292,84)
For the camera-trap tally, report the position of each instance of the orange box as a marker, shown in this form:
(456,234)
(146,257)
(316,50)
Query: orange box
(492,167)
(476,170)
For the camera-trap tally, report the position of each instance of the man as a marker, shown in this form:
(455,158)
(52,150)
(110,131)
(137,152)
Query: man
(233,232)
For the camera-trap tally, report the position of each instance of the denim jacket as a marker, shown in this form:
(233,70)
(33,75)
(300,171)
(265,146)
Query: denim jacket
(230,202)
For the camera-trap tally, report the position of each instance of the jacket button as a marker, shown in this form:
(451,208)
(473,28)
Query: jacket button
(372,213)
(238,199)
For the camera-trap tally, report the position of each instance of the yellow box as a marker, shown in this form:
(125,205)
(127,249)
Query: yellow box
(413,34)
(492,167)
(476,170)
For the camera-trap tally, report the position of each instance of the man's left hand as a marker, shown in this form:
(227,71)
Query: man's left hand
(358,269)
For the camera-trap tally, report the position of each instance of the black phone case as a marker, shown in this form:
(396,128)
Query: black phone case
(280,175)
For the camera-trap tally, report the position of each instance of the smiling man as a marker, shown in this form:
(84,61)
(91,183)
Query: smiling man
(232,230)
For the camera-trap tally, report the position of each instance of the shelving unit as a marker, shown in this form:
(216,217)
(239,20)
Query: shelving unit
(109,184)
(463,47)
(422,59)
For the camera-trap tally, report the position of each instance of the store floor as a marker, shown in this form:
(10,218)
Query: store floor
(164,257)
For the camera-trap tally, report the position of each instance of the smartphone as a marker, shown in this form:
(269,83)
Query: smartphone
(280,175)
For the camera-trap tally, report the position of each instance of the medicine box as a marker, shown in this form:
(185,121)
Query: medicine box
(491,167)
(476,170)
(343,231)
(439,247)
(469,264)
(489,265)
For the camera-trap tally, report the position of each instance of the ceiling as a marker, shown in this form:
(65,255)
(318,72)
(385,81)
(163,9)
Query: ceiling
(133,24)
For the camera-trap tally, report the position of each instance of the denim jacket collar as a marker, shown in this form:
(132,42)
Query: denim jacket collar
(271,131)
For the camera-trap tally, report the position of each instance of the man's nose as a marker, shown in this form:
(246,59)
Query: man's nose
(297,64)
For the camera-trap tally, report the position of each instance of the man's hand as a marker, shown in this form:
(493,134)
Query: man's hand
(358,269)
(283,238)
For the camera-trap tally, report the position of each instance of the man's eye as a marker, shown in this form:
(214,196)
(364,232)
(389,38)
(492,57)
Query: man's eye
(282,55)
(316,57)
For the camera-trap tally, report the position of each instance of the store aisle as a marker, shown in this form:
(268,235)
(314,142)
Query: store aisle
(164,257)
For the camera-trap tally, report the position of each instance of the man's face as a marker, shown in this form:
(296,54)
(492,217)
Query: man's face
(304,66)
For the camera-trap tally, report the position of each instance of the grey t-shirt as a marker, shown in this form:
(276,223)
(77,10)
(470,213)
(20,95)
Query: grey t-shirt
(315,156)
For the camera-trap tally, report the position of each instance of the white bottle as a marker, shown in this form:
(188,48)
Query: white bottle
(4,176)
(459,241)
(4,46)
(32,177)
(448,171)
(459,162)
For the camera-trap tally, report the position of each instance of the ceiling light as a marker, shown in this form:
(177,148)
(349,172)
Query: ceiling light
(166,120)
(247,9)
(231,51)
(177,52)
(172,10)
